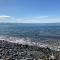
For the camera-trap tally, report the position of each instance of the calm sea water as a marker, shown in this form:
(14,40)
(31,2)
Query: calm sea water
(36,32)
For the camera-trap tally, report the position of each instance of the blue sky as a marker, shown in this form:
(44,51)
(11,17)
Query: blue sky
(30,11)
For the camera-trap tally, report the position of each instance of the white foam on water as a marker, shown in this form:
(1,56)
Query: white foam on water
(27,41)
(22,41)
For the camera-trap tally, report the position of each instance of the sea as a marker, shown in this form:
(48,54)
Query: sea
(47,33)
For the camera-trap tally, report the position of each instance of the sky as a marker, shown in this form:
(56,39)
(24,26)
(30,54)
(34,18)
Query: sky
(30,11)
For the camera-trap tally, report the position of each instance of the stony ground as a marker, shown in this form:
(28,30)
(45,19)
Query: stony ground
(15,51)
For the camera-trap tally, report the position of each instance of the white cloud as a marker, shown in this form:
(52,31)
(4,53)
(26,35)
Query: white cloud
(39,19)
(32,18)
(4,17)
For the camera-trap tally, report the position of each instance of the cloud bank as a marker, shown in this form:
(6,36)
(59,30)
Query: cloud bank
(4,17)
(38,19)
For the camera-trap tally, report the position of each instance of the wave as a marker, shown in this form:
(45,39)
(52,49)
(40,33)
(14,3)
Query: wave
(27,41)
(24,41)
